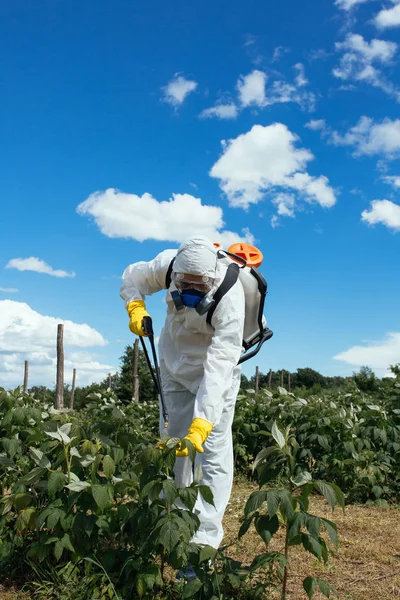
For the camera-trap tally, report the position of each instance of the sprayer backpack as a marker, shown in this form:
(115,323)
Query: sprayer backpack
(255,331)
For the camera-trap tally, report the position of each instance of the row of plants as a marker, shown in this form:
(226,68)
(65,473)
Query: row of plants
(352,439)
(90,510)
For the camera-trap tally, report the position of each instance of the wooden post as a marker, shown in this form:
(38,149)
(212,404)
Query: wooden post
(109,381)
(135,366)
(60,368)
(26,375)
(257,380)
(270,378)
(71,404)
(282,378)
(288,382)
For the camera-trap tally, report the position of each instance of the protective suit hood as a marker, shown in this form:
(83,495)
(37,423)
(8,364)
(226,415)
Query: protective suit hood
(197,256)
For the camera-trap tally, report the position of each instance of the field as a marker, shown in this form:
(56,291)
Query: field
(365,567)
(89,509)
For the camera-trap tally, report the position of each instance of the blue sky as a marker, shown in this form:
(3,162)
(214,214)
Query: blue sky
(273,122)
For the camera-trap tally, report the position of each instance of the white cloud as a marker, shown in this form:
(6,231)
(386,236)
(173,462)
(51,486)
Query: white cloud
(359,59)
(384,212)
(316,125)
(178,89)
(301,79)
(220,111)
(274,221)
(285,204)
(281,91)
(393,180)
(369,138)
(9,290)
(36,264)
(279,51)
(121,215)
(28,335)
(251,89)
(376,355)
(349,4)
(389,17)
(263,160)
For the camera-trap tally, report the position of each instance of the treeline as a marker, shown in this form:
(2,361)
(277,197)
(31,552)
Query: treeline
(308,380)
(304,381)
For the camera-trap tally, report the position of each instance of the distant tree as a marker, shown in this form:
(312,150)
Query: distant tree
(41,392)
(123,385)
(308,378)
(244,382)
(366,380)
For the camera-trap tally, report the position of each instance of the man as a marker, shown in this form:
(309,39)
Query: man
(198,364)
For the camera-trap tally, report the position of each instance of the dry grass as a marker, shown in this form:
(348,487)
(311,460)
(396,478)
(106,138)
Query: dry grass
(366,565)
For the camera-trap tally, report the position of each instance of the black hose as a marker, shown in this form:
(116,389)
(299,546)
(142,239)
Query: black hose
(148,329)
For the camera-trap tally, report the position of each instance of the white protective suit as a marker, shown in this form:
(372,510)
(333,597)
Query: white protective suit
(199,370)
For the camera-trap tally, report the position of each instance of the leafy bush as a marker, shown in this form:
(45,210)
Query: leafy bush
(348,438)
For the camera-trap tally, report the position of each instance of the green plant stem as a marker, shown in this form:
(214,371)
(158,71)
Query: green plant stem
(285,569)
(68,464)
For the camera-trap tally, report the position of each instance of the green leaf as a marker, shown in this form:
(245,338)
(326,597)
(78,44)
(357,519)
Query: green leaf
(273,500)
(288,504)
(169,535)
(191,589)
(56,482)
(246,524)
(313,525)
(33,476)
(22,500)
(331,529)
(340,499)
(101,496)
(188,496)
(326,589)
(5,461)
(206,494)
(256,500)
(266,527)
(327,491)
(78,486)
(207,553)
(11,446)
(58,550)
(108,466)
(278,435)
(309,585)
(301,478)
(263,454)
(26,519)
(66,543)
(311,545)
(170,491)
(295,524)
(54,517)
(40,459)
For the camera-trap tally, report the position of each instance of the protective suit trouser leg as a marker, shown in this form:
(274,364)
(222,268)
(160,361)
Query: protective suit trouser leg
(180,406)
(217,467)
(216,461)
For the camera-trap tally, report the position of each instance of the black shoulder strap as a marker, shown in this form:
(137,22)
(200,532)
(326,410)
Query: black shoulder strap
(169,274)
(229,281)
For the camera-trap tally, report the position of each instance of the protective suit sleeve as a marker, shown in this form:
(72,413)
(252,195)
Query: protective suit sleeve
(145,278)
(222,356)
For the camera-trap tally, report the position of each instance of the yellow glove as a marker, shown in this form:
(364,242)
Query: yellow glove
(137,310)
(198,432)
